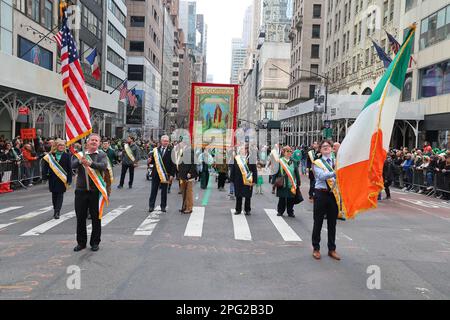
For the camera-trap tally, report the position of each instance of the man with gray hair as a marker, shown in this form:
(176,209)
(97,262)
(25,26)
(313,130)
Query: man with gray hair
(162,174)
(86,196)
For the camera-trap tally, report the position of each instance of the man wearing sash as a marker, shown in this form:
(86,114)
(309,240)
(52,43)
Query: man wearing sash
(88,198)
(162,173)
(187,173)
(244,175)
(313,155)
(286,193)
(325,200)
(130,159)
(57,170)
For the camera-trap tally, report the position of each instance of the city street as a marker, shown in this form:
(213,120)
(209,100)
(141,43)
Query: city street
(213,254)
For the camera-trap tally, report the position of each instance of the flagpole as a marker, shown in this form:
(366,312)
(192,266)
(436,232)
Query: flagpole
(115,89)
(85,168)
(46,36)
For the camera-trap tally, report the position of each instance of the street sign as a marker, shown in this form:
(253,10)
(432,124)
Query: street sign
(28,134)
(24,111)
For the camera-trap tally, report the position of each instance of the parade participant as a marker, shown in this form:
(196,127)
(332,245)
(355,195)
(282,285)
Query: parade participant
(57,170)
(187,173)
(388,176)
(89,197)
(130,159)
(273,165)
(260,182)
(313,155)
(29,159)
(222,170)
(107,148)
(244,176)
(290,181)
(336,147)
(162,173)
(204,173)
(325,202)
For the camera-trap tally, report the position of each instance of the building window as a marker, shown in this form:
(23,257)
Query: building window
(407,88)
(314,70)
(137,46)
(137,21)
(115,59)
(435,28)
(316,31)
(435,80)
(6,25)
(317,11)
(312,91)
(135,72)
(112,81)
(48,14)
(36,10)
(116,35)
(116,12)
(91,22)
(315,49)
(409,4)
(37,55)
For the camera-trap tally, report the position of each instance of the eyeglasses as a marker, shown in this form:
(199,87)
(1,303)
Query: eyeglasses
(288,151)
(326,146)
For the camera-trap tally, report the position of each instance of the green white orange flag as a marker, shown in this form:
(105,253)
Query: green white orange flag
(362,154)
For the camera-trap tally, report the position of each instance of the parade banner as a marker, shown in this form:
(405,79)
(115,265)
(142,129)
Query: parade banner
(213,116)
(135,110)
(28,134)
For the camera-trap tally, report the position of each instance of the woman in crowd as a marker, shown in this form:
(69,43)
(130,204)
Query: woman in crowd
(290,177)
(57,170)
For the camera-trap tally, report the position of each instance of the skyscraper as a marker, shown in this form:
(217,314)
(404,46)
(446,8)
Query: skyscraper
(238,55)
(276,22)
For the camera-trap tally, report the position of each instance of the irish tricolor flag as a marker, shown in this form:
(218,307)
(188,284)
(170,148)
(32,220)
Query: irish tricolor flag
(362,154)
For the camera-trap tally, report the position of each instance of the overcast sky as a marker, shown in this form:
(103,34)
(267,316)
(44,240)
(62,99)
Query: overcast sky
(224,19)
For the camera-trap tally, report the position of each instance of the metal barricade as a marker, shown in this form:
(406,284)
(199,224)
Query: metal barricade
(442,182)
(418,179)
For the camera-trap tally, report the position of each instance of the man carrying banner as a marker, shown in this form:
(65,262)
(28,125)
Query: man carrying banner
(162,174)
(57,170)
(90,198)
(325,201)
(130,159)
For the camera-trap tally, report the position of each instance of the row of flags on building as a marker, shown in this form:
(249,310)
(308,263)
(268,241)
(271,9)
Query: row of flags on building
(395,47)
(130,95)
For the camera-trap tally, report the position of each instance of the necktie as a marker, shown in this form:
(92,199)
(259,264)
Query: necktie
(330,162)
(163,151)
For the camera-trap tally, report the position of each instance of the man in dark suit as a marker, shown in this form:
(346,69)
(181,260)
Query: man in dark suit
(165,154)
(86,197)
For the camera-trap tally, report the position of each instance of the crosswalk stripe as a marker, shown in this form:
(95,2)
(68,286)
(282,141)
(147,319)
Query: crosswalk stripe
(281,225)
(194,227)
(48,225)
(3,226)
(240,226)
(34,213)
(146,228)
(108,218)
(9,209)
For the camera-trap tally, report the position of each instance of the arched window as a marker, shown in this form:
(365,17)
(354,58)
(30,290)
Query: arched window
(367,92)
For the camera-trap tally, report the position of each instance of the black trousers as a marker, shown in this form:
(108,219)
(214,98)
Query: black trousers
(284,203)
(222,179)
(312,183)
(387,184)
(247,204)
(156,183)
(324,204)
(87,201)
(124,172)
(57,199)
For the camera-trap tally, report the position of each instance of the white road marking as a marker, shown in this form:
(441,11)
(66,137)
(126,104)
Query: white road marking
(3,226)
(34,213)
(194,227)
(283,228)
(146,228)
(110,217)
(48,225)
(9,209)
(240,226)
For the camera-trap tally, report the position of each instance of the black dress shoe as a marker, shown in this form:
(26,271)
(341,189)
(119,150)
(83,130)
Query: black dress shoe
(236,213)
(56,215)
(187,212)
(130,187)
(248,213)
(79,248)
(151,209)
(279,214)
(291,215)
(163,210)
(95,247)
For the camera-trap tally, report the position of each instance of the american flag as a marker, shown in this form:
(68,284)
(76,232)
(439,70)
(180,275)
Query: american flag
(395,47)
(78,122)
(123,90)
(58,38)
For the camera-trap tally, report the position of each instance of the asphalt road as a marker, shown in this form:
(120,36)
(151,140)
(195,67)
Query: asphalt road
(213,255)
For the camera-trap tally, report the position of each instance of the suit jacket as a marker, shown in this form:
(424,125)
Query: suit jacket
(99,162)
(54,183)
(167,161)
(187,165)
(240,189)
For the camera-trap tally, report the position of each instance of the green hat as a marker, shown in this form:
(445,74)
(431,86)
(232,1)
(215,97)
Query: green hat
(297,156)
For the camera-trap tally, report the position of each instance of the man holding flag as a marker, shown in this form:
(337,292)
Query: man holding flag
(90,193)
(363,152)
